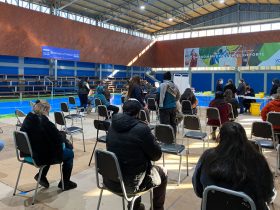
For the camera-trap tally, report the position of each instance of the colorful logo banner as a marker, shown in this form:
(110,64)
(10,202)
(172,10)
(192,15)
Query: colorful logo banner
(266,54)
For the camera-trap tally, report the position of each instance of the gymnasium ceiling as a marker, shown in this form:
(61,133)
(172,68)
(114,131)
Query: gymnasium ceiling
(157,16)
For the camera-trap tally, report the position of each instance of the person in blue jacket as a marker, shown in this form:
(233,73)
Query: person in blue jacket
(100,95)
(1,145)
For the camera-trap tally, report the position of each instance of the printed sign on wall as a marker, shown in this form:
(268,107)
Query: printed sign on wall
(60,53)
(266,54)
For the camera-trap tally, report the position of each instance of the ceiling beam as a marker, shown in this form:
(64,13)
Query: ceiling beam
(66,5)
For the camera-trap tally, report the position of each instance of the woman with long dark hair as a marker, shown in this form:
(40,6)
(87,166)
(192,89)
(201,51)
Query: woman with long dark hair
(135,91)
(189,95)
(237,165)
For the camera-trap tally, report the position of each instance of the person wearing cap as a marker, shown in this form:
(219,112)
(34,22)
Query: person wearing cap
(135,147)
(272,106)
(49,145)
(275,85)
(100,95)
(168,94)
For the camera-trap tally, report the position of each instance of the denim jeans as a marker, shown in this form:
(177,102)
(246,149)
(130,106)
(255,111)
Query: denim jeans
(68,156)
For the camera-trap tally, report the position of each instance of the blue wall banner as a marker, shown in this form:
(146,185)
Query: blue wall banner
(60,53)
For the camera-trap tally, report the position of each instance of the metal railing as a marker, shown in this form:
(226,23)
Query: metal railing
(47,79)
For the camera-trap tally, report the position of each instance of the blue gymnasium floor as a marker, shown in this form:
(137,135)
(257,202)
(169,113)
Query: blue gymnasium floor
(9,106)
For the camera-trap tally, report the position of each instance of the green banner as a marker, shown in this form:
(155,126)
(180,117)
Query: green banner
(266,54)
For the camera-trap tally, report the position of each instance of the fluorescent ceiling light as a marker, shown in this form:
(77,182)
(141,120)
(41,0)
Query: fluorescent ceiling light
(170,19)
(142,7)
(222,1)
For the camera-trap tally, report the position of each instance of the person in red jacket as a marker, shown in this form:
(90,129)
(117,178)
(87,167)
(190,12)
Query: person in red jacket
(272,106)
(224,110)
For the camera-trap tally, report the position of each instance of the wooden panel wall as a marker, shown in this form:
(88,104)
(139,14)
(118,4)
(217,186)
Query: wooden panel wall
(23,32)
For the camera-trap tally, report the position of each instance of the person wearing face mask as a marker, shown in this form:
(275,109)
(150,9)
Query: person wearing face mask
(275,85)
(241,92)
(49,145)
(219,85)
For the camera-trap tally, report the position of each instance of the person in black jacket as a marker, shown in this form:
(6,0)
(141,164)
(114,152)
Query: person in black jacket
(219,85)
(275,85)
(237,165)
(49,145)
(230,86)
(83,91)
(135,147)
(241,92)
(232,101)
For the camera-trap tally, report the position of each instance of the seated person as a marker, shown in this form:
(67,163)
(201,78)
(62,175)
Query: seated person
(224,110)
(100,95)
(232,101)
(237,165)
(49,145)
(272,106)
(135,147)
(188,95)
(1,145)
(247,102)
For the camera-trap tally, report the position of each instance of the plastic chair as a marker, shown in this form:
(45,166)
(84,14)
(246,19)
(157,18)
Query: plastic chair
(60,120)
(103,112)
(152,106)
(73,105)
(99,126)
(107,167)
(213,113)
(192,123)
(22,145)
(165,135)
(218,198)
(263,131)
(231,115)
(64,108)
(143,117)
(187,107)
(19,114)
(274,119)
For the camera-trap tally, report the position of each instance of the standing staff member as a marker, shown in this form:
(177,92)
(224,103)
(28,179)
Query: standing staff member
(83,90)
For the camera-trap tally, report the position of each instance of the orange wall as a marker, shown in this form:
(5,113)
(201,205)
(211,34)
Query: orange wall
(171,53)
(23,32)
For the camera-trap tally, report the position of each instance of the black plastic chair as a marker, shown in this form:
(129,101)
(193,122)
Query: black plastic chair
(73,105)
(187,107)
(143,117)
(274,119)
(60,120)
(263,131)
(100,125)
(103,112)
(217,198)
(22,145)
(192,124)
(165,135)
(107,166)
(152,106)
(213,113)
(19,114)
(64,108)
(231,114)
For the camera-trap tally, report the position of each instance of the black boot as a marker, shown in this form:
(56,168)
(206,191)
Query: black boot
(68,185)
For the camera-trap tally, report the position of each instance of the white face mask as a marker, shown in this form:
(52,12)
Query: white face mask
(272,83)
(222,82)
